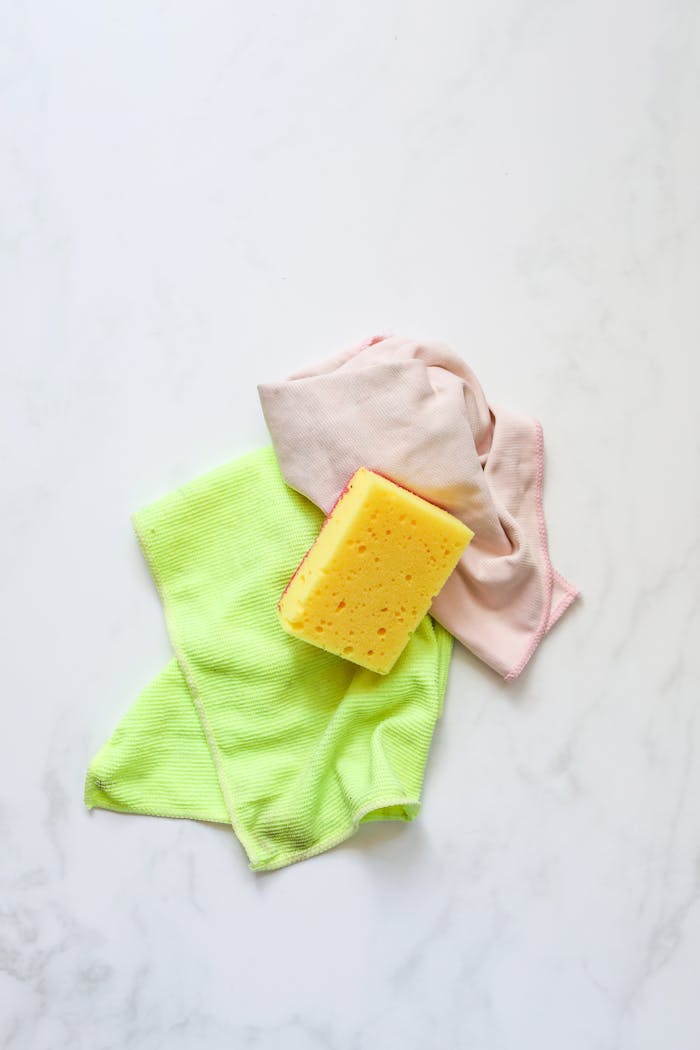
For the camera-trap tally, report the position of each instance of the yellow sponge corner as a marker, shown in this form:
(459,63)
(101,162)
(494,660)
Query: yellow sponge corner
(381,557)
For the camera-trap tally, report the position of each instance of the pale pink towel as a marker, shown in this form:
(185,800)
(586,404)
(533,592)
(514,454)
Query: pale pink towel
(415,412)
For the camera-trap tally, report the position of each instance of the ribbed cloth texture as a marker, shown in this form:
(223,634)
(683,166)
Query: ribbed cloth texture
(291,745)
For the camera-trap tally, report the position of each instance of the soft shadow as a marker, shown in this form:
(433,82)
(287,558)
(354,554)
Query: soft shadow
(374,835)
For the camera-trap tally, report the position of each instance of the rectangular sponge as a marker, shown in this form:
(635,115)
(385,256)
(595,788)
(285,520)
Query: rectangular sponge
(381,557)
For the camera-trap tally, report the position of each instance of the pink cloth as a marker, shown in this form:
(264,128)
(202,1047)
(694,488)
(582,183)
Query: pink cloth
(415,412)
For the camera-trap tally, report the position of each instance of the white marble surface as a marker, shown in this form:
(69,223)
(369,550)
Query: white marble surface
(197,196)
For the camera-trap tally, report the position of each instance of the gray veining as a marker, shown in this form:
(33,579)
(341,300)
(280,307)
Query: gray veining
(198,197)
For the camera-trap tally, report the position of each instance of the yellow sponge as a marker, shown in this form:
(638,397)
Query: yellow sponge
(381,557)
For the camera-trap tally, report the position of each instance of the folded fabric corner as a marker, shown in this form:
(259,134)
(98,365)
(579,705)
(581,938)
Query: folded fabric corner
(416,412)
(292,746)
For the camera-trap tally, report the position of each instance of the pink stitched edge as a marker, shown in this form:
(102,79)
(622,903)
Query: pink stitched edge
(548,620)
(570,595)
(372,340)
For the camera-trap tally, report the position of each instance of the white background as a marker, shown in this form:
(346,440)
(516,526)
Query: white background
(195,197)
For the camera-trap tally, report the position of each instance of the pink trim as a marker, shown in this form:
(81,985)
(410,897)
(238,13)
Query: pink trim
(372,340)
(571,595)
(549,618)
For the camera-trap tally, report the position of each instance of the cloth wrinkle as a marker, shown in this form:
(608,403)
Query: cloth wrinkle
(416,412)
(290,745)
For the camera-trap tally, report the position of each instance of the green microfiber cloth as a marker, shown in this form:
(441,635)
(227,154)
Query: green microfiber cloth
(291,745)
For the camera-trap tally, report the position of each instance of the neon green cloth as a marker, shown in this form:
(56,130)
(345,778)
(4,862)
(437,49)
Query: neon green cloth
(291,745)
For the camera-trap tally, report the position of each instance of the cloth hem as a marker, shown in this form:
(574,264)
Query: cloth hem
(92,801)
(571,593)
(284,860)
(192,686)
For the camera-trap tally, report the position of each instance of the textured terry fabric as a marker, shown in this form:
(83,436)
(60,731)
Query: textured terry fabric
(292,745)
(415,412)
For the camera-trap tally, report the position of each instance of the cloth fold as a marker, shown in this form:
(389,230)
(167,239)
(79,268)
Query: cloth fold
(416,412)
(292,746)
